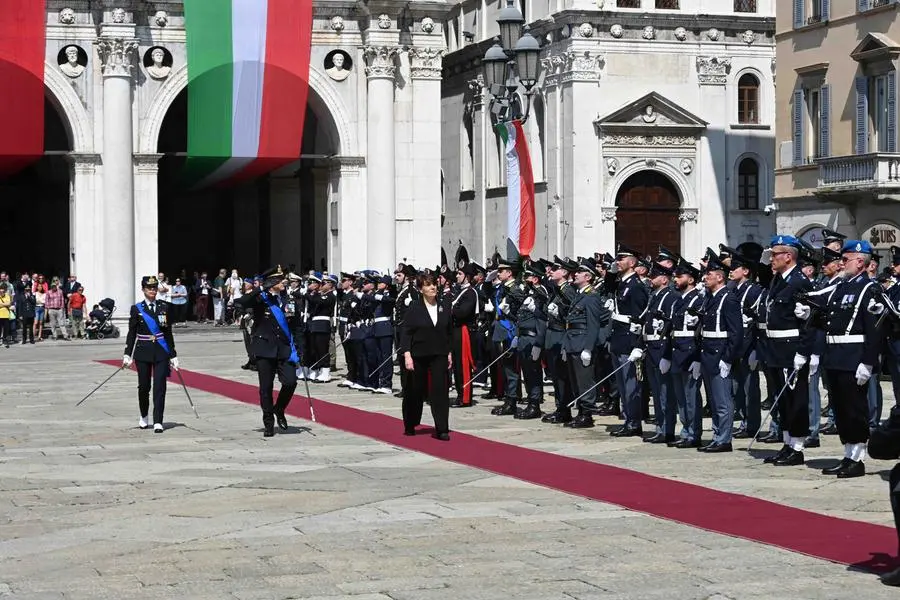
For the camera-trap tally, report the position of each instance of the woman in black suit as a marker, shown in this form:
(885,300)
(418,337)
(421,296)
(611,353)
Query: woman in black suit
(425,344)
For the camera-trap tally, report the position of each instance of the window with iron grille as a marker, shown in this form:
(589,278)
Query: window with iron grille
(745,6)
(748,185)
(748,99)
(628,3)
(670,4)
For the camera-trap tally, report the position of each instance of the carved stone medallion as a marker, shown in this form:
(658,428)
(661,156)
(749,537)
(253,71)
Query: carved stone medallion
(67,16)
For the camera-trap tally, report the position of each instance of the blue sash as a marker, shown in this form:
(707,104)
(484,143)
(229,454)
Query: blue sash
(282,322)
(153,326)
(506,324)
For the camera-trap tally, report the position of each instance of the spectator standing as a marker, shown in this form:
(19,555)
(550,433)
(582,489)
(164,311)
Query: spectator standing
(234,285)
(203,288)
(5,311)
(54,303)
(218,294)
(179,302)
(164,288)
(76,311)
(39,283)
(40,297)
(27,311)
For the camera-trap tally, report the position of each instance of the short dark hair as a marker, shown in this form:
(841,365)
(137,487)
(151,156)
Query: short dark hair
(425,279)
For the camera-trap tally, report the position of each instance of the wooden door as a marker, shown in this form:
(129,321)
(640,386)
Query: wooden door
(647,214)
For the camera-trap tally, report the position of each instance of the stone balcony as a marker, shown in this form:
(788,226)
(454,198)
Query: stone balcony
(876,175)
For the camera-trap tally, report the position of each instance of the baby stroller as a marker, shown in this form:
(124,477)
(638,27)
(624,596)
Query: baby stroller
(101,325)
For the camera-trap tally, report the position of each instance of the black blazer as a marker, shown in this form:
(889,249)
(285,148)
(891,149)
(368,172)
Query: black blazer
(146,350)
(267,340)
(421,337)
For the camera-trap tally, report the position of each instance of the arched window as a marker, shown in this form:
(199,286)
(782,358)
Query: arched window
(748,99)
(748,185)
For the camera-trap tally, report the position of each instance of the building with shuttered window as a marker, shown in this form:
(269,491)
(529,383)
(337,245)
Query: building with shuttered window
(839,165)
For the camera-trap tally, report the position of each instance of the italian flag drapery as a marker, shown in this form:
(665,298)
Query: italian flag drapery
(22,48)
(520,189)
(248,73)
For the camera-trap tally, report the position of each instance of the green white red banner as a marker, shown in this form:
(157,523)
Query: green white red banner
(519,188)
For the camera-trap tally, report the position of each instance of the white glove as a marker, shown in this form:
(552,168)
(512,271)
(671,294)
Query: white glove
(724,369)
(752,361)
(802,311)
(489,306)
(799,361)
(173,362)
(359,295)
(876,308)
(126,361)
(656,325)
(610,304)
(664,365)
(585,357)
(863,374)
(503,305)
(528,303)
(552,309)
(636,355)
(535,353)
(700,287)
(766,257)
(695,370)
(635,328)
(407,301)
(813,364)
(747,320)
(379,297)
(564,355)
(691,320)
(514,343)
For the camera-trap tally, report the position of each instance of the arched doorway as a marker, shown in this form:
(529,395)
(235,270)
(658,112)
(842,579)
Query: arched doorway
(647,214)
(36,223)
(280,217)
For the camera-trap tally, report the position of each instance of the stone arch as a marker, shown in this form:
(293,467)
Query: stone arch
(678,179)
(322,93)
(72,112)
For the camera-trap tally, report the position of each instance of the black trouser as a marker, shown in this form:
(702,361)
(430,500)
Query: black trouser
(27,329)
(159,371)
(894,482)
(461,374)
(318,350)
(287,377)
(428,380)
(383,355)
(558,371)
(509,388)
(250,358)
(349,353)
(532,375)
(793,405)
(582,378)
(362,369)
(850,404)
(4,331)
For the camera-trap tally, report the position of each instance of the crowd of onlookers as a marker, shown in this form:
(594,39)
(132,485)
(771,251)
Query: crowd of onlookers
(34,307)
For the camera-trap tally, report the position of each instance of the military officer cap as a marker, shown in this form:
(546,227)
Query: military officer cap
(565,263)
(385,279)
(739,260)
(409,270)
(626,251)
(858,246)
(726,251)
(715,264)
(685,268)
(504,263)
(542,264)
(478,268)
(272,276)
(666,254)
(293,277)
(149,281)
(895,255)
(315,276)
(829,236)
(330,277)
(348,276)
(644,263)
(533,269)
(468,269)
(658,270)
(829,256)
(785,240)
(586,265)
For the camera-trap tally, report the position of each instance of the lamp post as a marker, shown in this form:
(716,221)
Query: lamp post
(511,62)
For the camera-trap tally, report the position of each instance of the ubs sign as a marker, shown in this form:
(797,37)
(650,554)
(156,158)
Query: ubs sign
(883,235)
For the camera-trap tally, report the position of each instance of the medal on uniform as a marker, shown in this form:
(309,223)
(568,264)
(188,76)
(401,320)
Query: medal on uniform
(162,319)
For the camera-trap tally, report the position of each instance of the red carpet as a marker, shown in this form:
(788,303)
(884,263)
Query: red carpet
(861,545)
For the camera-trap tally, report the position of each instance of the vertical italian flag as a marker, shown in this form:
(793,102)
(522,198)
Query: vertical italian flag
(520,188)
(22,49)
(248,74)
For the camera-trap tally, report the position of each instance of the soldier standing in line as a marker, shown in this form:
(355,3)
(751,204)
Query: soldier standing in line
(320,307)
(273,345)
(684,354)
(562,295)
(344,298)
(382,310)
(464,310)
(531,320)
(151,346)
(508,296)
(404,278)
(657,321)
(744,372)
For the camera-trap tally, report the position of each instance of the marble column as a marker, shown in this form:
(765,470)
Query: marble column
(381,199)
(87,236)
(146,217)
(425,71)
(118,56)
(350,224)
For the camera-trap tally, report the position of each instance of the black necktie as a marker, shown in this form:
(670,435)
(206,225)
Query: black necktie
(152,307)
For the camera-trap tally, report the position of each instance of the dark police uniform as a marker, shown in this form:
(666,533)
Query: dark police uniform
(150,358)
(320,307)
(561,298)
(344,310)
(684,353)
(382,304)
(508,296)
(532,329)
(657,321)
(464,310)
(745,370)
(405,295)
(272,347)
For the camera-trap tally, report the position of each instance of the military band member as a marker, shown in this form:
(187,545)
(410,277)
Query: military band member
(629,302)
(853,341)
(562,295)
(684,354)
(464,310)
(745,370)
(360,329)
(320,301)
(273,345)
(720,347)
(151,346)
(382,309)
(585,321)
(508,295)
(404,279)
(344,310)
(657,321)
(892,356)
(531,320)
(789,349)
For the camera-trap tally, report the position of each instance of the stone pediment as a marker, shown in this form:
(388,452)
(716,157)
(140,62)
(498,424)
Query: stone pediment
(651,114)
(875,46)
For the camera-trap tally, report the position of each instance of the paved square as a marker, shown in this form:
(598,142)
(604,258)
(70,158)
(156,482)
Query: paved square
(96,508)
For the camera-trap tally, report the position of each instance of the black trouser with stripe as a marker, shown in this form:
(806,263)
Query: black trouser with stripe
(850,403)
(158,371)
(266,369)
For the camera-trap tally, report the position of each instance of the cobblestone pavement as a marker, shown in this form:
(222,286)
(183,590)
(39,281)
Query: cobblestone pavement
(93,507)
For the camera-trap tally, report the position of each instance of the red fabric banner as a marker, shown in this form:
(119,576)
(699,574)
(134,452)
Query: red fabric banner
(22,48)
(468,366)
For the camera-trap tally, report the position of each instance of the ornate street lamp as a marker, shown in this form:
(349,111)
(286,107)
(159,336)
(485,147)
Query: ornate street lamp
(511,62)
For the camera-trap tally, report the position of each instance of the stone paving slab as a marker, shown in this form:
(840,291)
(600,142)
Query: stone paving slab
(92,507)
